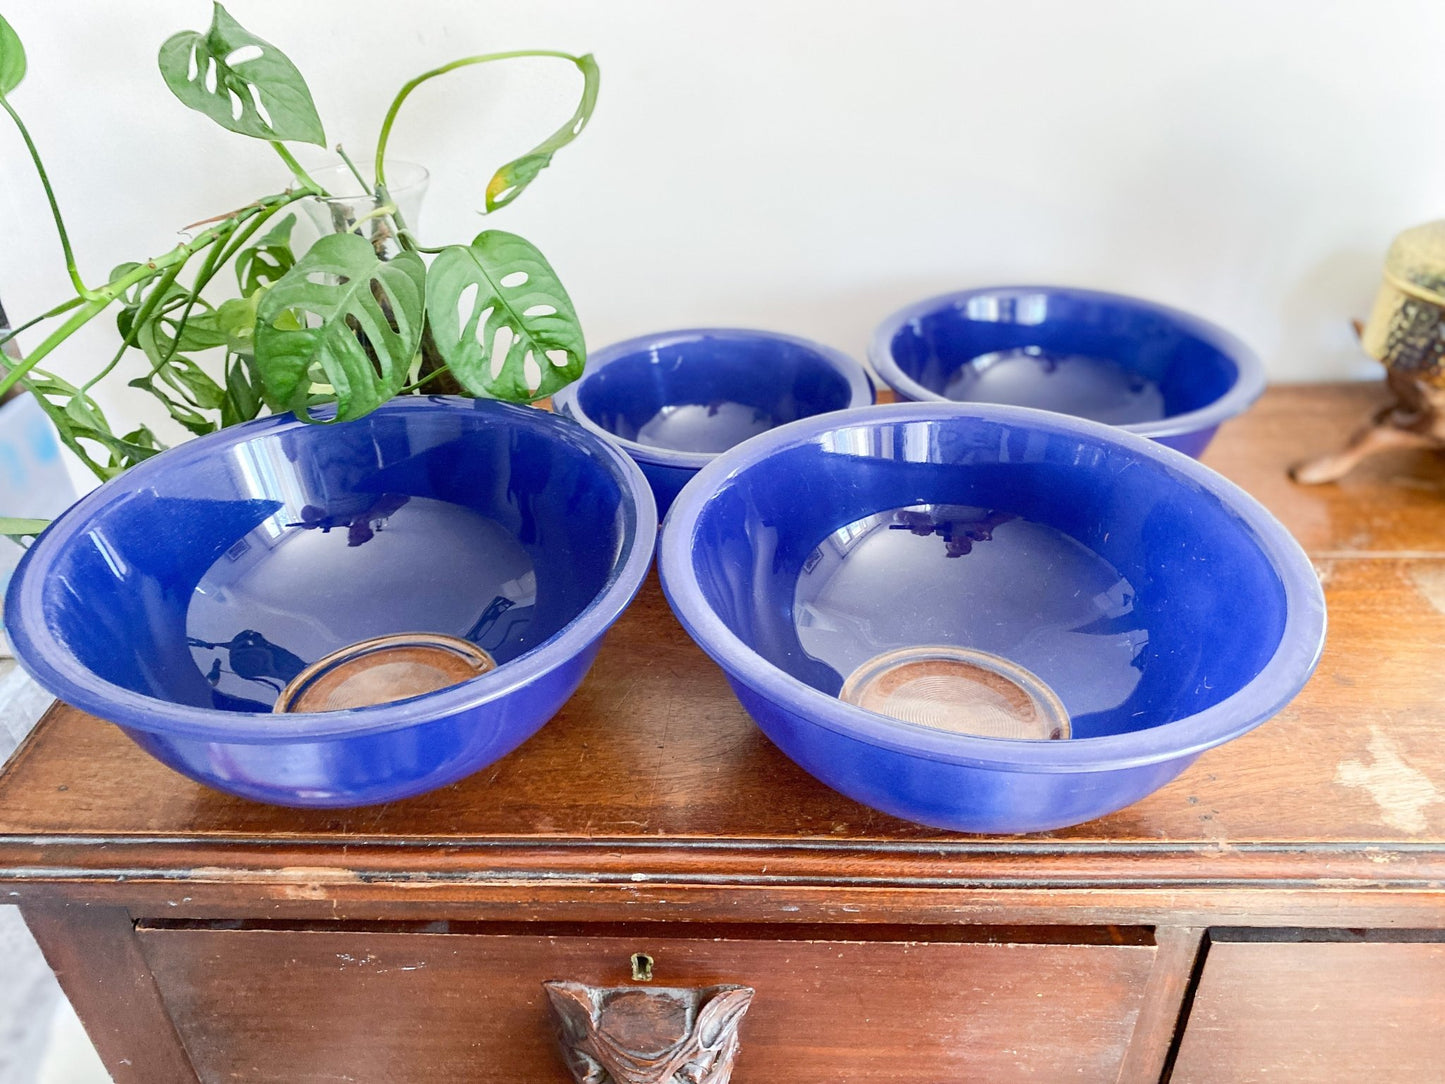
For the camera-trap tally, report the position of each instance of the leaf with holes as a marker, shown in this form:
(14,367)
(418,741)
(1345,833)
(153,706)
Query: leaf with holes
(197,331)
(193,383)
(370,317)
(263,263)
(509,181)
(241,82)
(501,319)
(79,422)
(182,411)
(12,58)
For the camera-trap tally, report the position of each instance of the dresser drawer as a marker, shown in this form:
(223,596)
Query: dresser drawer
(310,1004)
(1316,1012)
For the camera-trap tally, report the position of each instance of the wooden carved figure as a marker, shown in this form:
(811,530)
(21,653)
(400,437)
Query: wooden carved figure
(632,1035)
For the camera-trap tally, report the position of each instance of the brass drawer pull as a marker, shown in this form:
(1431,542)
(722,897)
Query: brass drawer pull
(628,1035)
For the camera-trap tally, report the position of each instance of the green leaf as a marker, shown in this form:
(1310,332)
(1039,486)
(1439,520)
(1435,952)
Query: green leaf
(15,529)
(181,411)
(131,299)
(509,181)
(158,335)
(135,447)
(203,330)
(500,282)
(241,82)
(80,422)
(12,58)
(360,323)
(236,319)
(267,260)
(243,392)
(191,381)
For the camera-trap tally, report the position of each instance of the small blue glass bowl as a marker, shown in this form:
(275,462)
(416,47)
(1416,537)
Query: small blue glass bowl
(1142,367)
(914,601)
(675,399)
(184,600)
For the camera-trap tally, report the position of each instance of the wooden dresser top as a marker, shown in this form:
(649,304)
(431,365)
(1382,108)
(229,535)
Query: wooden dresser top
(654,782)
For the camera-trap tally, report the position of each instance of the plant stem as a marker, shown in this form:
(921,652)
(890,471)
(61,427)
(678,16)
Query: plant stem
(97,300)
(422,382)
(63,307)
(340,150)
(203,276)
(242,236)
(75,278)
(143,314)
(313,189)
(408,87)
(409,239)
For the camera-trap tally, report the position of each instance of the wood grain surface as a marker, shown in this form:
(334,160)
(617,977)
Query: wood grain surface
(440,1007)
(1317,1014)
(653,775)
(409,941)
(97,958)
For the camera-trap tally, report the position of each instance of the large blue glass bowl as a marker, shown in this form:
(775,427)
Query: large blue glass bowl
(1164,607)
(1143,367)
(675,399)
(177,600)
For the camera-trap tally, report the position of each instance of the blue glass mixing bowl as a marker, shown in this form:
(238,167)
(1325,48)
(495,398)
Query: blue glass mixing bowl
(1145,368)
(675,399)
(989,618)
(184,599)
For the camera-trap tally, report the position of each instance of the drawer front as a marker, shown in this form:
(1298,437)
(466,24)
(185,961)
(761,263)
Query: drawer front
(305,1005)
(1316,1012)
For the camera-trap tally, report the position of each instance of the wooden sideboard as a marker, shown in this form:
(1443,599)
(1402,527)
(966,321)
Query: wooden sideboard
(1277,913)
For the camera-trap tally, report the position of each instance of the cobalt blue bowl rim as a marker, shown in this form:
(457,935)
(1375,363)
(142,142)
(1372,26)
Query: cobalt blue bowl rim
(1248,385)
(46,660)
(1282,677)
(860,385)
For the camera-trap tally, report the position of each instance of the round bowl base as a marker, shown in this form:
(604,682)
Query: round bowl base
(958,689)
(384,669)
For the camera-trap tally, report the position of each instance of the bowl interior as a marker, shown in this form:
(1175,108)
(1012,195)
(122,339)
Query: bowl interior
(707,392)
(1133,593)
(1094,356)
(213,576)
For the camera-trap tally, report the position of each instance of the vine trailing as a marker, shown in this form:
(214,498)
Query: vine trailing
(331,334)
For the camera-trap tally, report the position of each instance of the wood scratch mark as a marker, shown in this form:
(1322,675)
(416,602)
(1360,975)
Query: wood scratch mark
(1402,792)
(1429,580)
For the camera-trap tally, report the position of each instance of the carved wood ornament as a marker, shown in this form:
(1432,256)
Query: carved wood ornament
(631,1035)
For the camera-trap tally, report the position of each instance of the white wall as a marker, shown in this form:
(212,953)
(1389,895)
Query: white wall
(807,165)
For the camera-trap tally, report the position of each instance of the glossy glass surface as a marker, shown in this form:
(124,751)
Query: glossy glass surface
(675,399)
(1100,389)
(1166,609)
(1153,370)
(975,577)
(183,597)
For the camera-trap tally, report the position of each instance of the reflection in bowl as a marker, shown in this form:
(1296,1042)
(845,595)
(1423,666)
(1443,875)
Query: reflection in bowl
(974,566)
(675,399)
(1152,370)
(180,600)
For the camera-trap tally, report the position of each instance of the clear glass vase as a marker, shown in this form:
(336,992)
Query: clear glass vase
(350,208)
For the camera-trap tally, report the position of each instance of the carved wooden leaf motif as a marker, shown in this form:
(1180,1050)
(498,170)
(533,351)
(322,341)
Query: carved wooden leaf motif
(631,1035)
